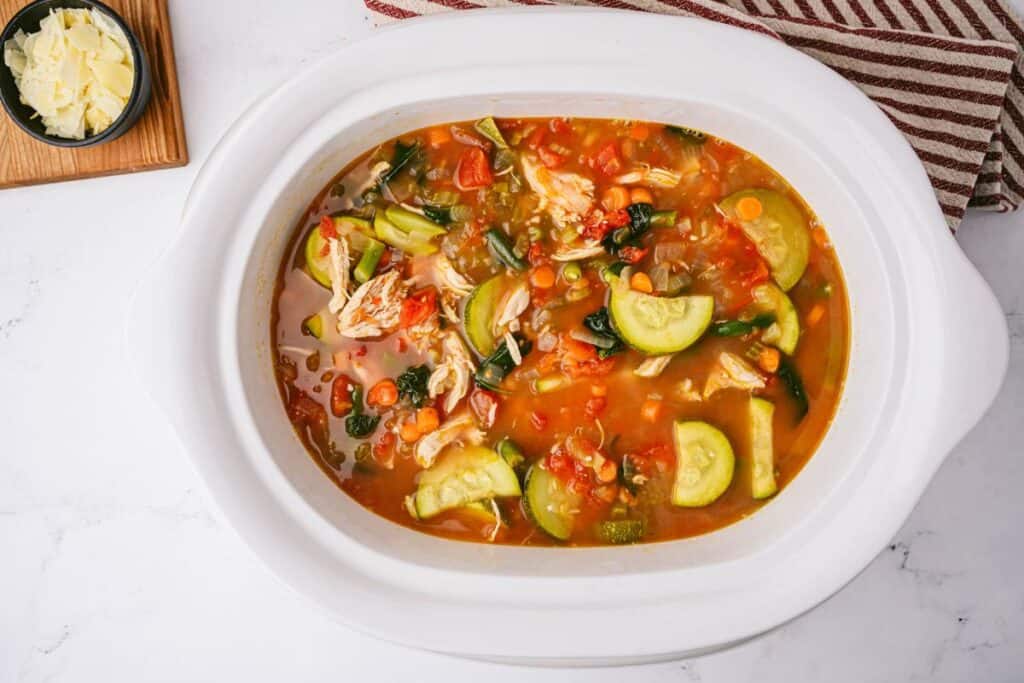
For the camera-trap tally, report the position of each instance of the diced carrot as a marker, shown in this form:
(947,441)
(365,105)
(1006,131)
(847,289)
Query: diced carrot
(543,277)
(749,208)
(438,136)
(615,198)
(598,389)
(650,410)
(608,471)
(409,432)
(641,195)
(639,132)
(641,282)
(768,359)
(384,393)
(427,420)
(816,314)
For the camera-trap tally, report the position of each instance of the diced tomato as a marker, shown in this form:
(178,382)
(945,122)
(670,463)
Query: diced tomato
(536,137)
(341,395)
(633,254)
(550,158)
(418,307)
(599,223)
(474,170)
(382,448)
(580,359)
(560,126)
(538,421)
(485,406)
(607,159)
(595,406)
(535,255)
(327,228)
(362,350)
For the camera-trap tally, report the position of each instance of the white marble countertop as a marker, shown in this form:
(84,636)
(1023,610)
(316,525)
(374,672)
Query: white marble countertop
(114,570)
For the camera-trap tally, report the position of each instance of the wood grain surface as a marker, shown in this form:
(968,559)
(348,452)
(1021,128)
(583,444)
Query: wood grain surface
(156,141)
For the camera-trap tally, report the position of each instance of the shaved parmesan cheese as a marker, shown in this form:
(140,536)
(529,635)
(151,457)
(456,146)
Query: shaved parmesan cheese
(77,71)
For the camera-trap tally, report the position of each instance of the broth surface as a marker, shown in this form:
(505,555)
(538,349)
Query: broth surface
(564,214)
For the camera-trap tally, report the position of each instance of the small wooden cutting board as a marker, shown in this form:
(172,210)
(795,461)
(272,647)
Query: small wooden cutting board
(156,141)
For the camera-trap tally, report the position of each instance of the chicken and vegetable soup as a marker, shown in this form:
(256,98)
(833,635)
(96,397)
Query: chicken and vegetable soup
(560,331)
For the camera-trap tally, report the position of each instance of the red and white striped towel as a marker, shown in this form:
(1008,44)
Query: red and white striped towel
(948,73)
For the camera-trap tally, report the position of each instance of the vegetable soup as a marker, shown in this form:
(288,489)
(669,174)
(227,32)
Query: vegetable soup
(560,331)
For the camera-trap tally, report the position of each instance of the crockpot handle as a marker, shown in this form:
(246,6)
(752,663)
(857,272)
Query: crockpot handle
(977,351)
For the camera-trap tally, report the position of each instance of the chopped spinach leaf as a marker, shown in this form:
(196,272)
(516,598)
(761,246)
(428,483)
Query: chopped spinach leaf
(639,223)
(691,135)
(412,385)
(403,155)
(359,425)
(496,367)
(787,372)
(600,324)
(442,215)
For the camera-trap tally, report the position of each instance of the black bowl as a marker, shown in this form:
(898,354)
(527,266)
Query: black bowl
(28,20)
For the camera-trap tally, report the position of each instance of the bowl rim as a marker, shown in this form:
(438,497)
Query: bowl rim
(920,215)
(114,130)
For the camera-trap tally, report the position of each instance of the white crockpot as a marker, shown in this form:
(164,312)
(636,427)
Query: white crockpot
(929,343)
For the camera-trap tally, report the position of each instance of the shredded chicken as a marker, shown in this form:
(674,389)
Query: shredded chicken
(379,169)
(453,286)
(653,366)
(338,266)
(589,250)
(374,308)
(651,177)
(512,306)
(454,373)
(566,196)
(513,348)
(424,334)
(685,391)
(459,427)
(732,372)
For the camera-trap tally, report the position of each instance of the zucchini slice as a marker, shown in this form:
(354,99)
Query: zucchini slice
(657,325)
(489,129)
(784,333)
(413,223)
(413,243)
(550,504)
(704,464)
(762,457)
(463,476)
(780,233)
(478,316)
(317,259)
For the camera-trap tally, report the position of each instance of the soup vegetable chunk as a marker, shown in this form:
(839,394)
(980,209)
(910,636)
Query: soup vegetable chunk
(560,331)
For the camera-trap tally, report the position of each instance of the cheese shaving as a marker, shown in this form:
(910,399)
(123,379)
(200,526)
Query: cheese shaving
(77,71)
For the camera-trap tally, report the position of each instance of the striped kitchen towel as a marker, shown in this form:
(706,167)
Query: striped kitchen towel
(948,73)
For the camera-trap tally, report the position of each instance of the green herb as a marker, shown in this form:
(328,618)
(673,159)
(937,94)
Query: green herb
(787,372)
(412,385)
(442,215)
(503,251)
(691,135)
(359,425)
(737,328)
(628,473)
(496,367)
(600,324)
(401,158)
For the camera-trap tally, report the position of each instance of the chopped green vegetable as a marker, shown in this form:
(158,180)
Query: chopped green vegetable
(503,250)
(413,223)
(463,476)
(628,475)
(551,383)
(600,325)
(442,215)
(313,325)
(550,503)
(489,129)
(414,243)
(412,385)
(512,454)
(367,265)
(572,272)
(401,158)
(358,424)
(639,223)
(621,531)
(690,135)
(499,364)
(663,219)
(704,463)
(737,328)
(657,325)
(787,372)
